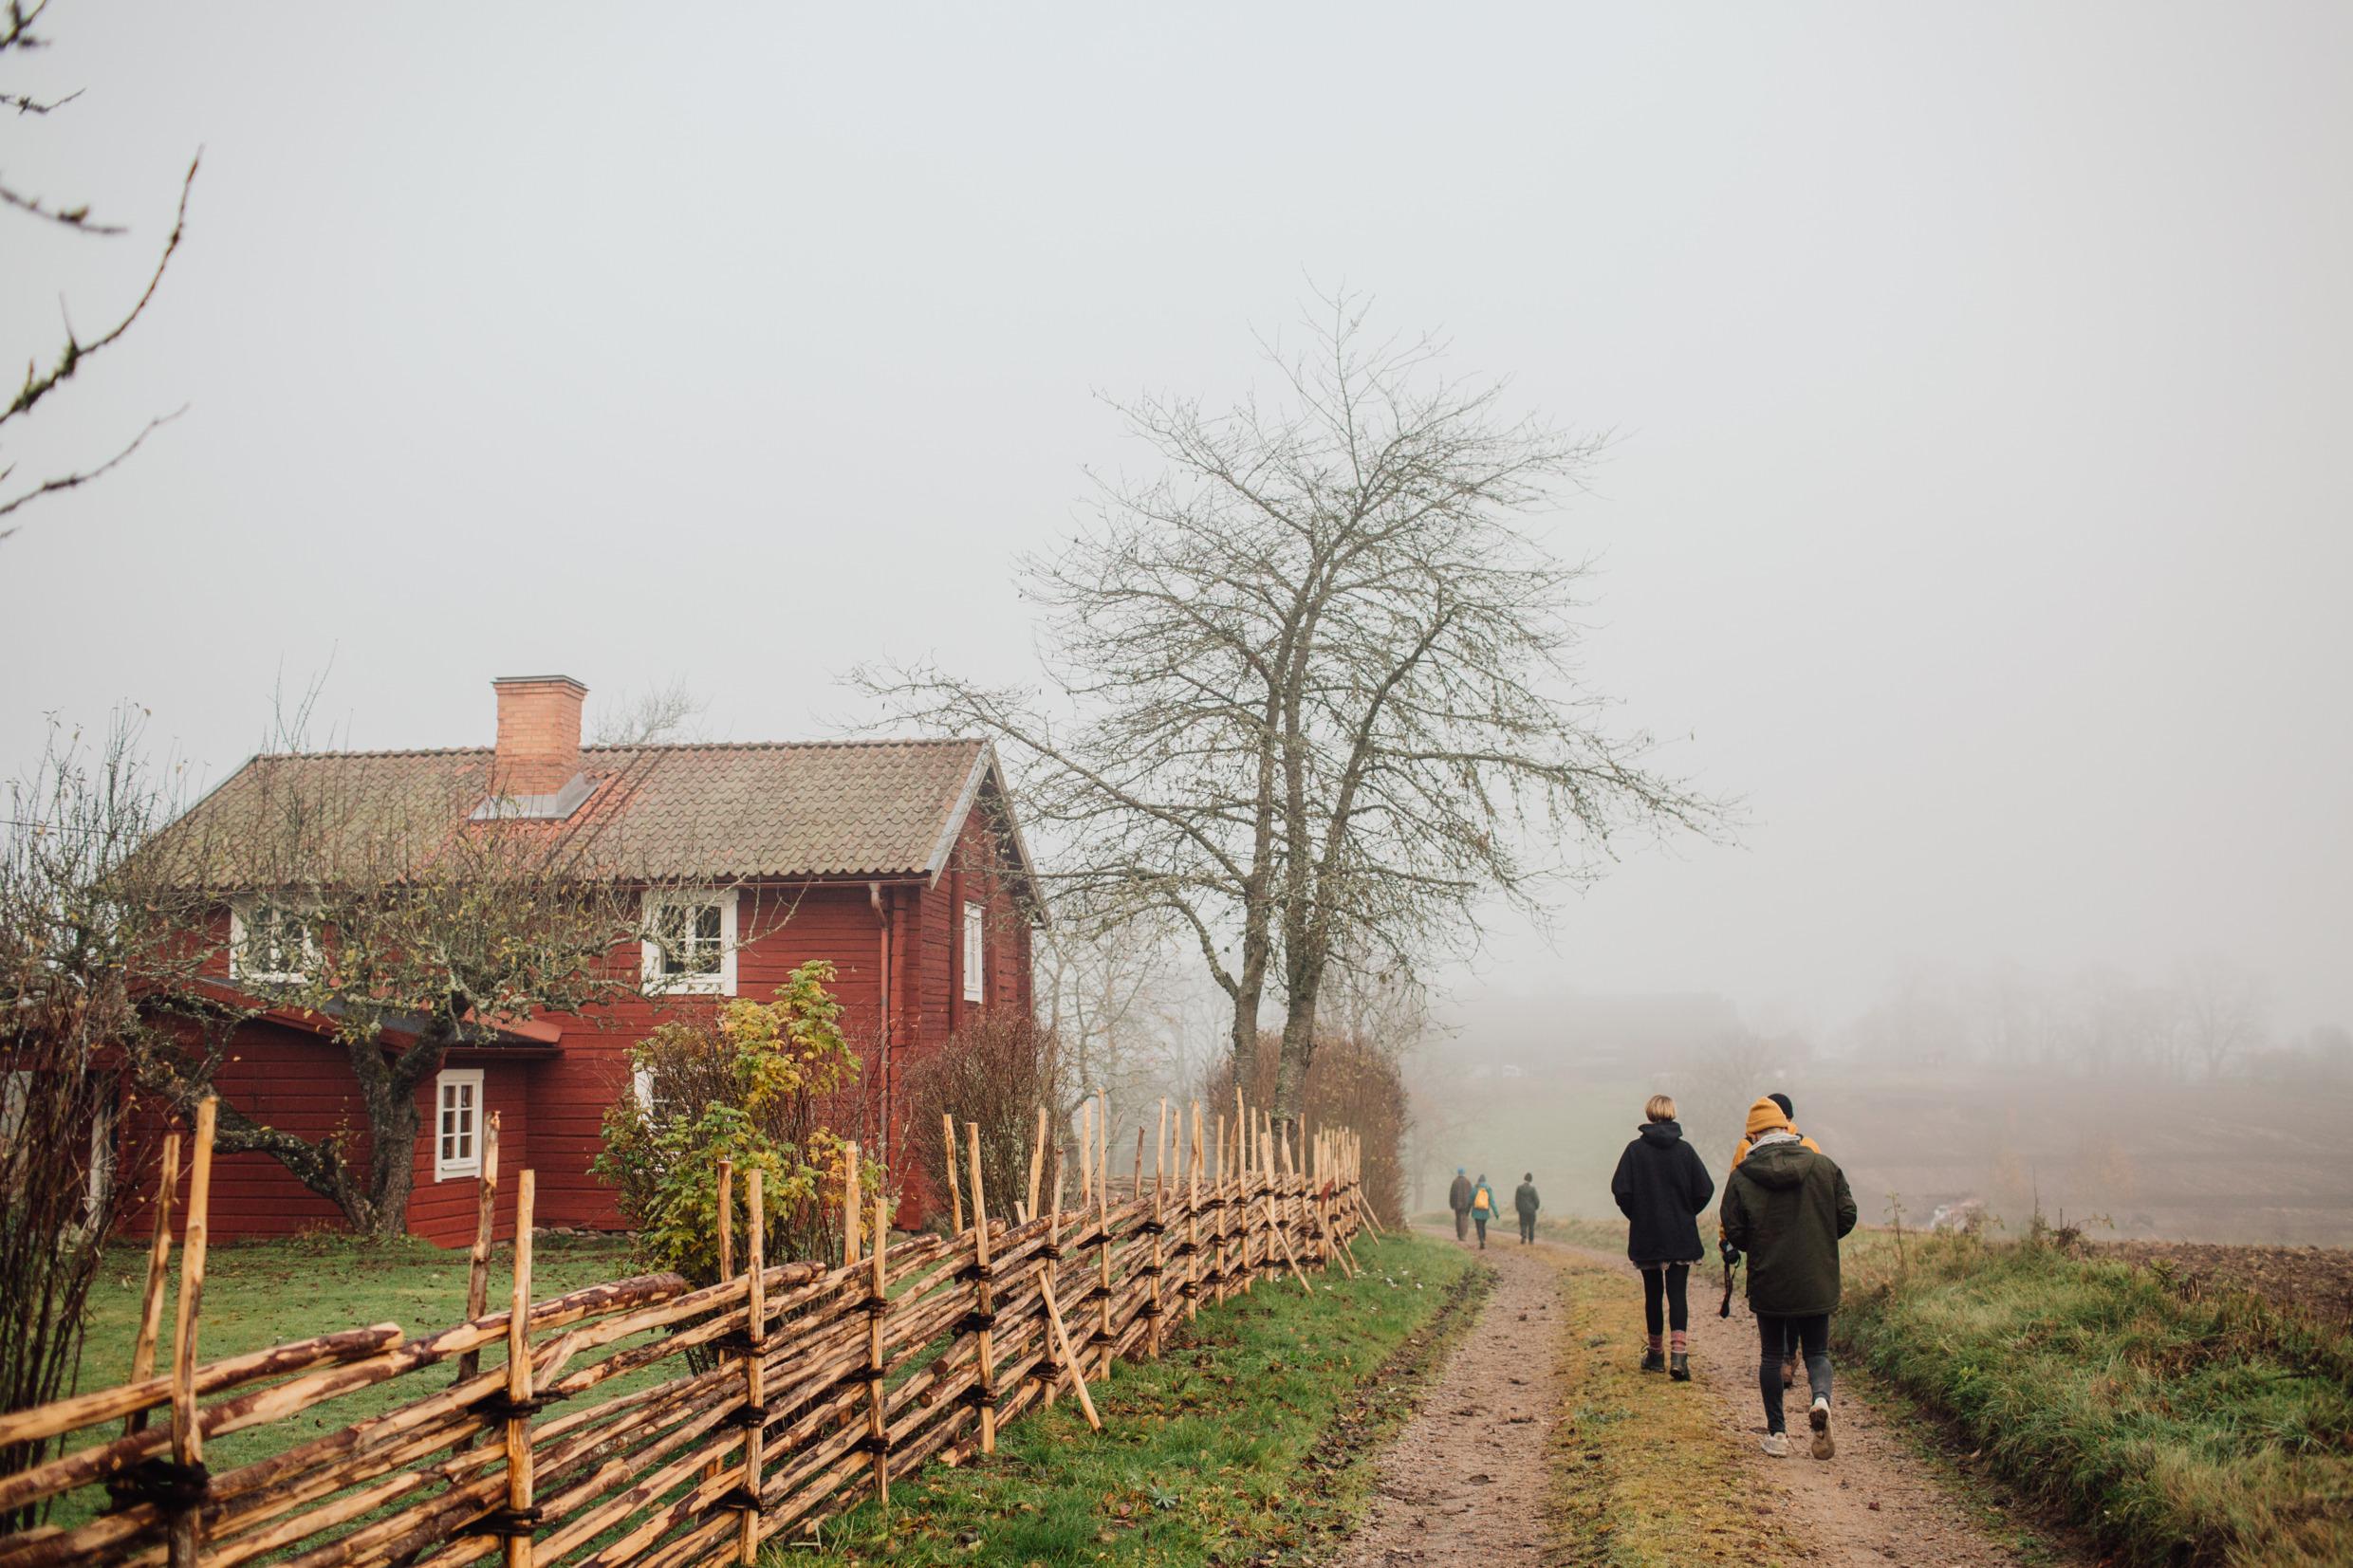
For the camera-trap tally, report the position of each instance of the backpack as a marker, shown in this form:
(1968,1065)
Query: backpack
(1485,1200)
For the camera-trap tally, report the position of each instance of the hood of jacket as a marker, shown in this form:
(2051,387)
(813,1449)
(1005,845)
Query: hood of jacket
(1777,1165)
(1661,1133)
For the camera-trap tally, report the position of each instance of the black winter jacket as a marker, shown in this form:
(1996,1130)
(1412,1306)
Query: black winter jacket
(1660,1187)
(1786,1206)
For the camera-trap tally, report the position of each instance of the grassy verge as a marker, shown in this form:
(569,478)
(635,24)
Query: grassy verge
(1644,1475)
(2175,1427)
(1250,1440)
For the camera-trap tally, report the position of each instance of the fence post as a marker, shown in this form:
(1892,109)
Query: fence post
(187,1435)
(1037,1167)
(756,1370)
(1192,1222)
(878,1305)
(983,1298)
(521,1515)
(955,1194)
(1102,1237)
(1058,1336)
(159,1266)
(478,1257)
(726,1221)
(849,1205)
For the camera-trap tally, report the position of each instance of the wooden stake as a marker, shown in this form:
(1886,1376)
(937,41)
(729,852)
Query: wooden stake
(478,1260)
(1037,1160)
(1065,1357)
(1192,1222)
(755,1333)
(877,1291)
(1159,1148)
(849,1205)
(158,1266)
(519,1372)
(187,1437)
(1086,1153)
(984,1296)
(955,1191)
(1288,1256)
(726,1220)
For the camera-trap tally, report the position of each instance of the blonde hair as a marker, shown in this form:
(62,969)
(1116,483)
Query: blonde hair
(1659,1108)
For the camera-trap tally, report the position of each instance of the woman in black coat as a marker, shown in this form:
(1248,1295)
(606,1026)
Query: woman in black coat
(1661,1187)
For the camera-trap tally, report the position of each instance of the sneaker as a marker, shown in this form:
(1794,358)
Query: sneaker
(1819,1418)
(1776,1445)
(1654,1361)
(1680,1369)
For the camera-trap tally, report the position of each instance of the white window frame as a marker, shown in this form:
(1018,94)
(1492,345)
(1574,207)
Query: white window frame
(720,982)
(446,1166)
(975,950)
(241,918)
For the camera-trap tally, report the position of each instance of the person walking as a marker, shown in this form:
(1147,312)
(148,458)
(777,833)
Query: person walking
(1761,1119)
(1525,1202)
(1483,1207)
(1458,1199)
(1787,1206)
(1662,1187)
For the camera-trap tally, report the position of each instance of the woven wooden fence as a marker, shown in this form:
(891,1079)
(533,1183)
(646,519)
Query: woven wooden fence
(779,1396)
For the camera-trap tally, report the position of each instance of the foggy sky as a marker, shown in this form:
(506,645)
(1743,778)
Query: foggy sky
(1980,378)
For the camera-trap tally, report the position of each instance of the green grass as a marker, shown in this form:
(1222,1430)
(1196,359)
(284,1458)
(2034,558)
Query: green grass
(1248,1440)
(2175,1429)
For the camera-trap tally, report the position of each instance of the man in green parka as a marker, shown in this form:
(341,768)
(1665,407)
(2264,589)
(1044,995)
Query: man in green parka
(1525,1201)
(1785,1205)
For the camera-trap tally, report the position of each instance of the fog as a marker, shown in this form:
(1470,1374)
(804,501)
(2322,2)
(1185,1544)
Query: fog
(1977,377)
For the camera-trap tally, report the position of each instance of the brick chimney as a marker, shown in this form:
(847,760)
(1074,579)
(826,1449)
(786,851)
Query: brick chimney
(537,758)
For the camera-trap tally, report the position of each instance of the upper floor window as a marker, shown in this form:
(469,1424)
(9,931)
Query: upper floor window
(976,922)
(273,942)
(690,942)
(458,1123)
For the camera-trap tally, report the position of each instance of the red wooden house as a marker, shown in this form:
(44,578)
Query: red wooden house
(899,861)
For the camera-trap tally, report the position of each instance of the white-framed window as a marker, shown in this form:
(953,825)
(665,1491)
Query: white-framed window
(976,950)
(689,943)
(641,1090)
(271,941)
(458,1123)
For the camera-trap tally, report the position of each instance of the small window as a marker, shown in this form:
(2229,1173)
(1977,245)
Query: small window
(690,942)
(976,918)
(642,1089)
(458,1123)
(274,943)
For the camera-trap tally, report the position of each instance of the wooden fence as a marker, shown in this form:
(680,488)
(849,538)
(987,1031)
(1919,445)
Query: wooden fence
(785,1394)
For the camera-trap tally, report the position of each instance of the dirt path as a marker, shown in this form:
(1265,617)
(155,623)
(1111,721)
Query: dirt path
(1468,1480)
(1877,1501)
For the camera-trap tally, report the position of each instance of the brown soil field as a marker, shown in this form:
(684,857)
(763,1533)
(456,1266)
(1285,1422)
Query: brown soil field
(2316,1280)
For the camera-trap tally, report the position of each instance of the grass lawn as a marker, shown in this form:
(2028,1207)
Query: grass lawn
(1250,1440)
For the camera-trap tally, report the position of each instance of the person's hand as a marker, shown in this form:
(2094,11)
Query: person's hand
(1731,1253)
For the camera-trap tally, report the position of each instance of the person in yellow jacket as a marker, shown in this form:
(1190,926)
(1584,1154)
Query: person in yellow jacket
(1770,1114)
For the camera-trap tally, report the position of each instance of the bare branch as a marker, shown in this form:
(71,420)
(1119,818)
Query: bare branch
(82,476)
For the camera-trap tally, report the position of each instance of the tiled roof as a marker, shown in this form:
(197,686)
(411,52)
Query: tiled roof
(663,812)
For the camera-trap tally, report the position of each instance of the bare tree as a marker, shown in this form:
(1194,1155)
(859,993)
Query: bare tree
(2221,1008)
(670,713)
(79,927)
(1107,993)
(1310,689)
(18,39)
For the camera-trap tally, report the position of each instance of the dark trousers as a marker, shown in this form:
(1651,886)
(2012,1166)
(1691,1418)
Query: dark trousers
(1462,1224)
(1528,1227)
(1480,1220)
(1666,1298)
(1813,1335)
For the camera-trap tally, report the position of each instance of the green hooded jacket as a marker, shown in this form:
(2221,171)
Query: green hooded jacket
(1785,1205)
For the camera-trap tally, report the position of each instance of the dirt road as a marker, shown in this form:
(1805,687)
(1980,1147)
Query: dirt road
(1476,1477)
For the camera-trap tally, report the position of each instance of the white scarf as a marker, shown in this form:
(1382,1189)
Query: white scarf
(1771,1135)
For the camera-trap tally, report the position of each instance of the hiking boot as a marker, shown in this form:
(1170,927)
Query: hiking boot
(1679,1367)
(1654,1360)
(1776,1445)
(1819,1418)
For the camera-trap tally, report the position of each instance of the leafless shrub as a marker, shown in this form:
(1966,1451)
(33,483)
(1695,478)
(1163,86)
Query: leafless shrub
(996,1072)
